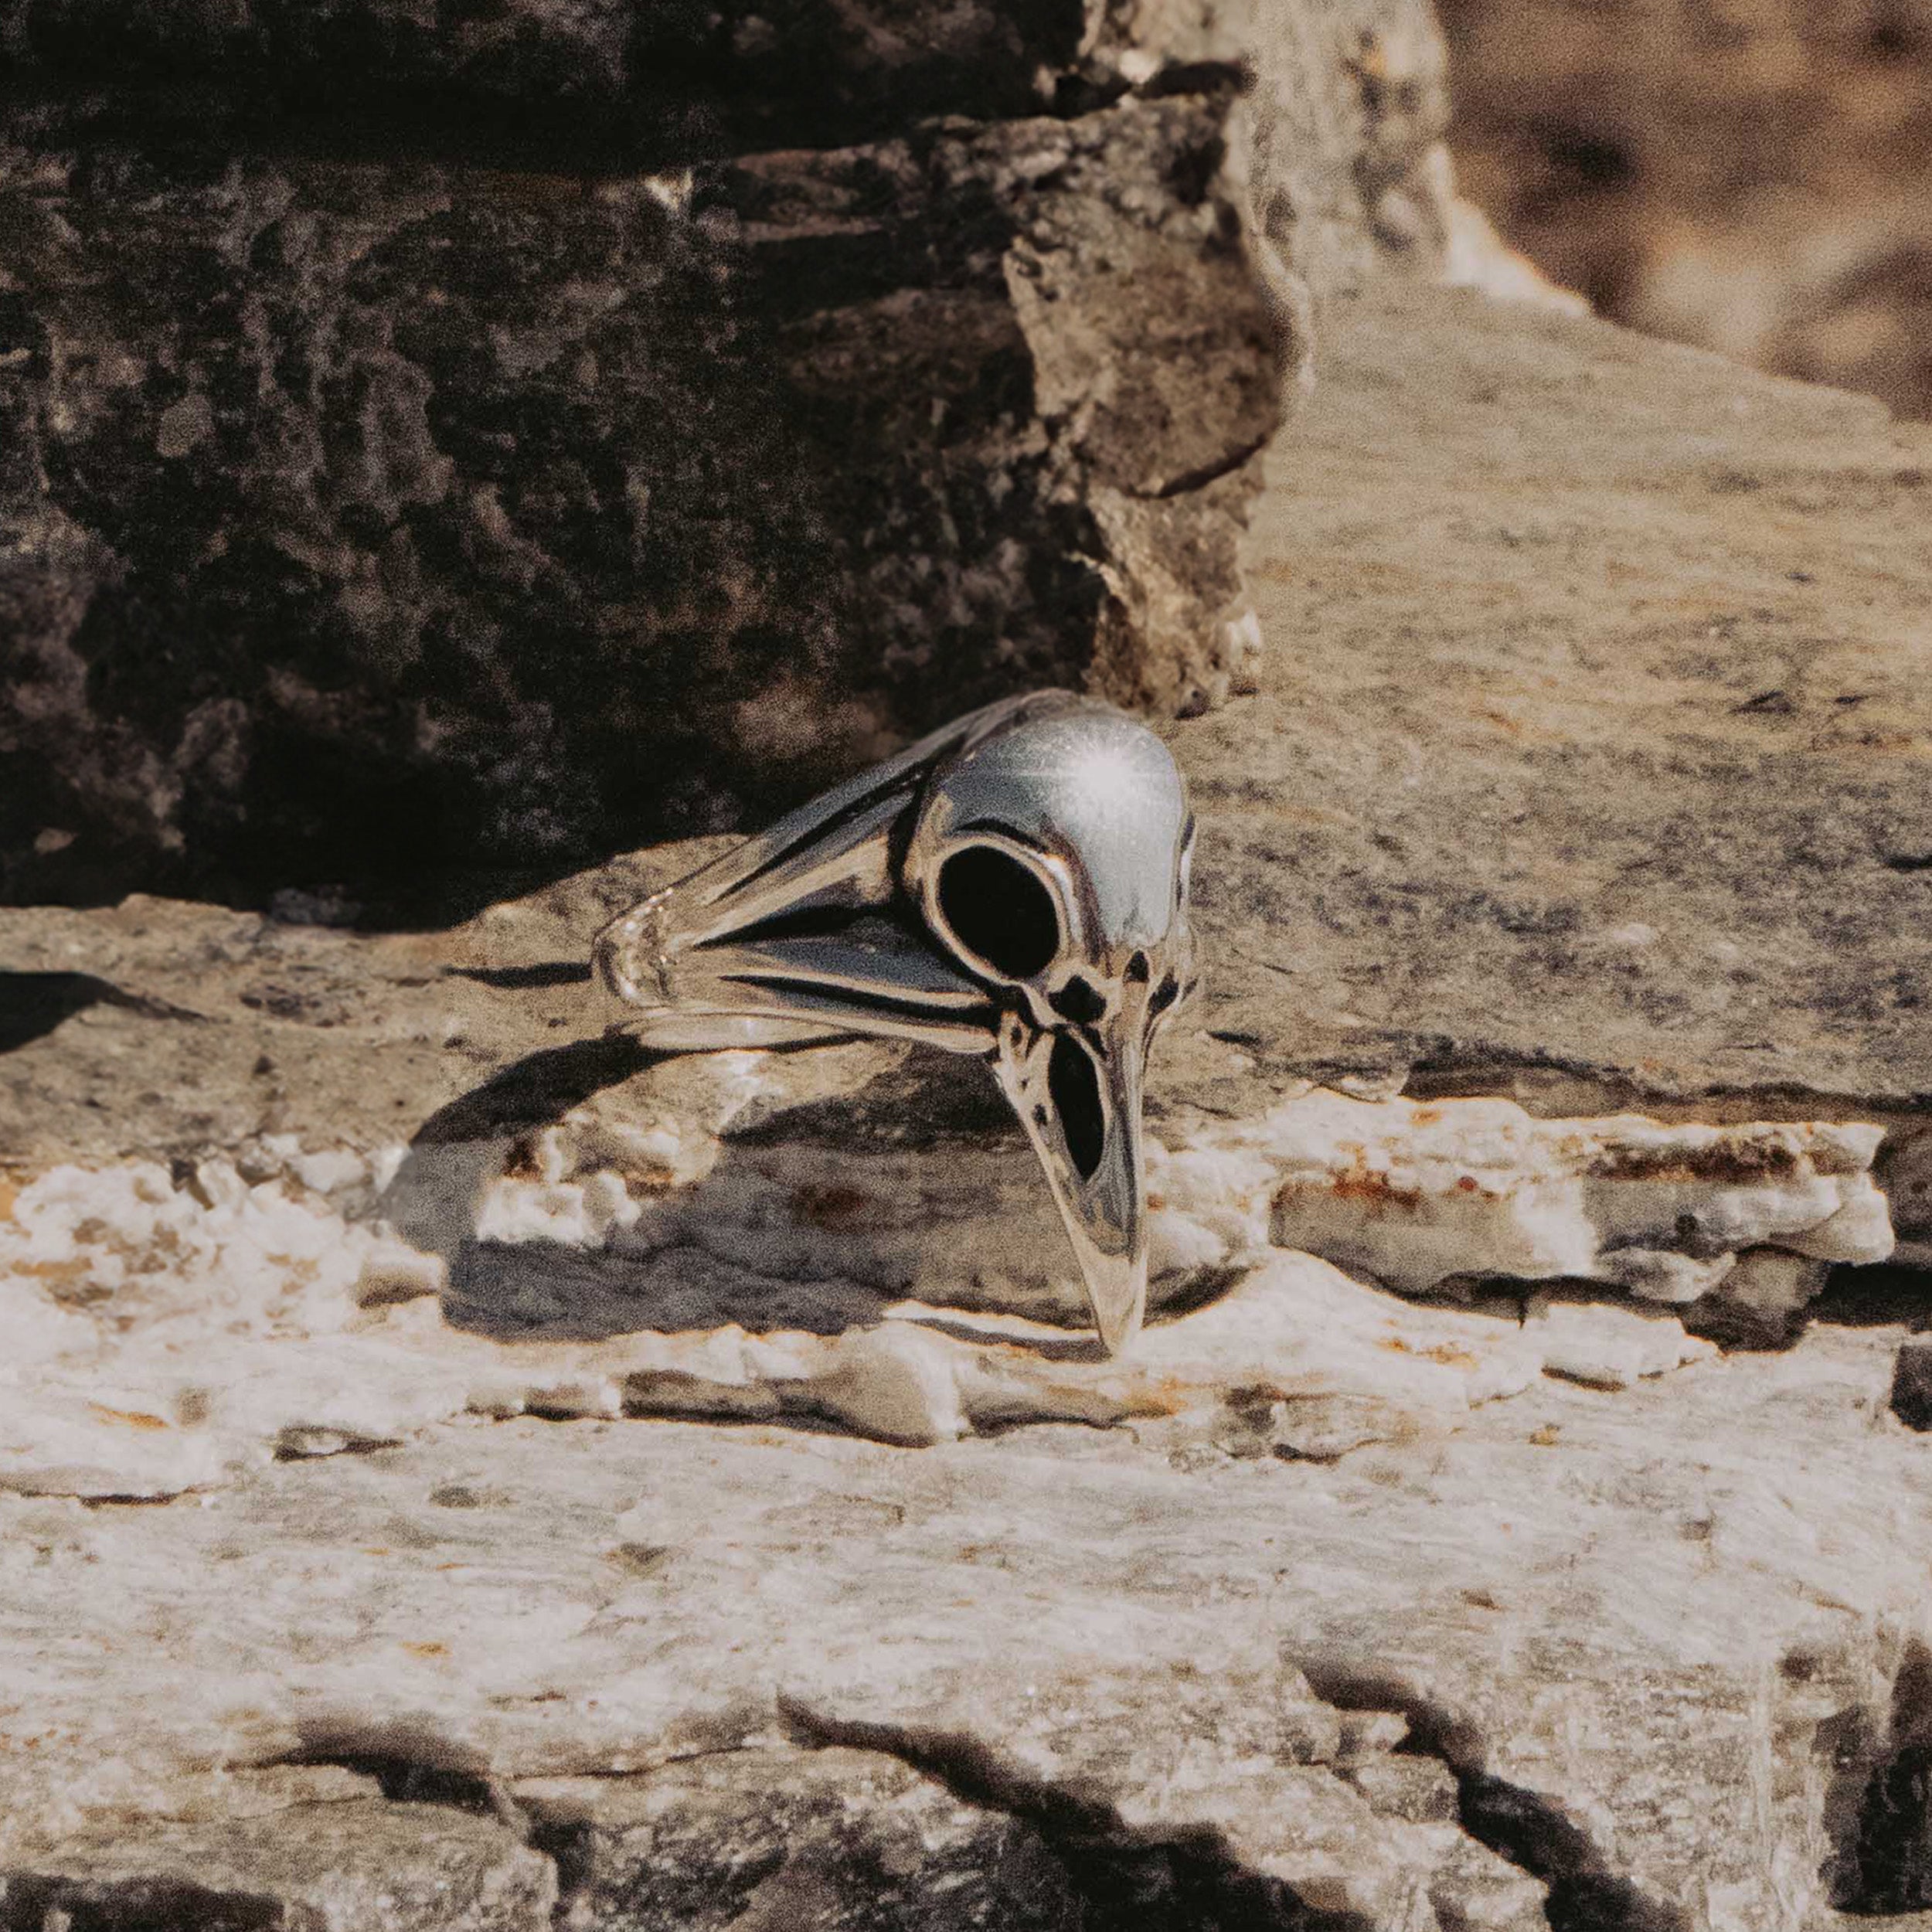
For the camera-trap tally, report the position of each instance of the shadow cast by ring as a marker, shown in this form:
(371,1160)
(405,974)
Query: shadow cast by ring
(539,1289)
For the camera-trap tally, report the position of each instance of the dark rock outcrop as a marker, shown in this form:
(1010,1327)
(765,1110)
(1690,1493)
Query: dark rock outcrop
(418,512)
(448,447)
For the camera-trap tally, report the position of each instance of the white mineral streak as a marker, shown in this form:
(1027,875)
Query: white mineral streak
(154,1327)
(1418,1194)
(1412,1195)
(166,1328)
(1609,1348)
(162,1336)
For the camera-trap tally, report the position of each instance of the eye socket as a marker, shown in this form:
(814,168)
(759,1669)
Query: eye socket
(999,911)
(1075,1091)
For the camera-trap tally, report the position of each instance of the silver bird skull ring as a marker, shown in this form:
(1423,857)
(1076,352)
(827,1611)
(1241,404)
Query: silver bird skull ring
(1015,886)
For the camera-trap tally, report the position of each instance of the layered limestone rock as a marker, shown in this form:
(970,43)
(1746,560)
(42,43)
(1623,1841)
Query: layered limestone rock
(172,1327)
(452,448)
(457,1460)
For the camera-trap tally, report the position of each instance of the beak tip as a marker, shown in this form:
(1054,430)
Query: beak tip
(1103,1208)
(1118,1306)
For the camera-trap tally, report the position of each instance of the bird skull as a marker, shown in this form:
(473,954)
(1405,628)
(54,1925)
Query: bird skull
(1051,864)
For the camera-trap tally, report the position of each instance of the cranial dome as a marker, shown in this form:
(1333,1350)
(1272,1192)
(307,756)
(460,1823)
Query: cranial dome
(1096,788)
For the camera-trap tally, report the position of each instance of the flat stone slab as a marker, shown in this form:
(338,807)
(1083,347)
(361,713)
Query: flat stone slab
(1594,726)
(1591,1614)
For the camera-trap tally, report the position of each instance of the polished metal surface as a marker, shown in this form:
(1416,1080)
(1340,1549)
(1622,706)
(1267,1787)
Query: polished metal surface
(1014,886)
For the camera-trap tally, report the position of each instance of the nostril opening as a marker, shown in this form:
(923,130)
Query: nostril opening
(1165,995)
(1136,970)
(1075,1090)
(1079,1001)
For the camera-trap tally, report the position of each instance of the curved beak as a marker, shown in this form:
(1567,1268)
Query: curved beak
(1077,1092)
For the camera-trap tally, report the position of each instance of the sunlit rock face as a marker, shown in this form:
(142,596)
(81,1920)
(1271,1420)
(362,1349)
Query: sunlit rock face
(177,1326)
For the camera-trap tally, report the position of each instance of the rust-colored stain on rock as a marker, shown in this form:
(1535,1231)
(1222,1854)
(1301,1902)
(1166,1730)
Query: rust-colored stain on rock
(1359,1182)
(128,1418)
(1444,1353)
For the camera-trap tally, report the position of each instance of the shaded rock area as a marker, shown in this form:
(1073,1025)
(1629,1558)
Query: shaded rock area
(455,476)
(1912,1385)
(319,1849)
(460,1467)
(1753,178)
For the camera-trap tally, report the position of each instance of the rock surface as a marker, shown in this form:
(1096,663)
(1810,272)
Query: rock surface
(454,478)
(321,1850)
(1594,765)
(631,1489)
(474,516)
(1751,178)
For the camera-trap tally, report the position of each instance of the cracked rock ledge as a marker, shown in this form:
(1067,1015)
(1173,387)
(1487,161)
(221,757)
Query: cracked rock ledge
(460,1471)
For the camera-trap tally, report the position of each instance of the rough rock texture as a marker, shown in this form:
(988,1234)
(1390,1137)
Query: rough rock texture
(444,1442)
(314,1852)
(1351,180)
(787,1834)
(1754,177)
(660,81)
(364,508)
(1601,767)
(456,475)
